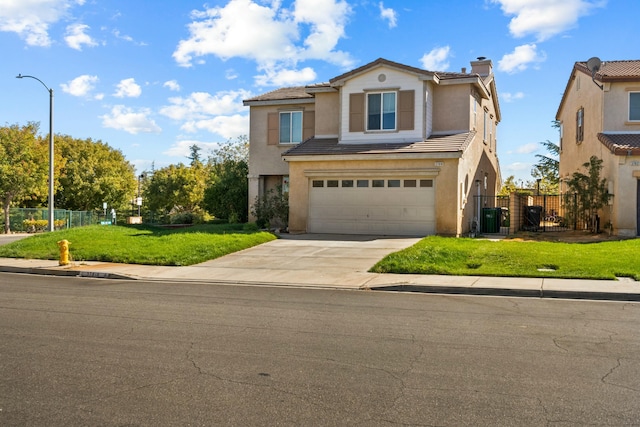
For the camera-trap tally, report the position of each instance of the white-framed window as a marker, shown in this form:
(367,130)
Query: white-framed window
(381,111)
(634,106)
(290,127)
(475,113)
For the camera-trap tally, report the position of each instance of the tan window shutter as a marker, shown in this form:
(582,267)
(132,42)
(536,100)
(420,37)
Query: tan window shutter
(356,112)
(308,124)
(273,128)
(406,103)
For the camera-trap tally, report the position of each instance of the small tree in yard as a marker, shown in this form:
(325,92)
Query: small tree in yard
(587,193)
(227,193)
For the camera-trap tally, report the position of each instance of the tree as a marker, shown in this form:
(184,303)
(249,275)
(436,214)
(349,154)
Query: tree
(227,194)
(194,154)
(176,189)
(94,173)
(548,168)
(23,166)
(587,193)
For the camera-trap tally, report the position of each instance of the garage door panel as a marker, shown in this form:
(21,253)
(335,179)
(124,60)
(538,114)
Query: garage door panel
(372,210)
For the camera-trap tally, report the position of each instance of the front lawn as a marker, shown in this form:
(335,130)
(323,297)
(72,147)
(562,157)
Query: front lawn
(140,244)
(475,257)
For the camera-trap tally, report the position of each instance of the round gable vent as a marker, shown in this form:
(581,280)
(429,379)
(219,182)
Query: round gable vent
(382,77)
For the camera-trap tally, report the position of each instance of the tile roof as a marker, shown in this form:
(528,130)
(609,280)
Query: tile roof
(621,144)
(302,92)
(284,93)
(435,144)
(614,70)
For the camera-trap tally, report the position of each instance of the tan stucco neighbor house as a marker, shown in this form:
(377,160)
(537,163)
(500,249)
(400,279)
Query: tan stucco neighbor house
(603,119)
(384,149)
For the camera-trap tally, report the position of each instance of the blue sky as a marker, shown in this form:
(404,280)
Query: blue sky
(152,77)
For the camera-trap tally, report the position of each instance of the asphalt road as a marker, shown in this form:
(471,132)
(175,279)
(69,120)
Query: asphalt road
(88,352)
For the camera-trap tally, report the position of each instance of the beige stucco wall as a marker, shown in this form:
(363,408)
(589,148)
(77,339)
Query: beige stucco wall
(372,80)
(605,110)
(581,93)
(327,114)
(266,159)
(616,104)
(451,108)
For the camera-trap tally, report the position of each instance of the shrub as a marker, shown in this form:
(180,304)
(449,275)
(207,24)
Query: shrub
(272,209)
(41,225)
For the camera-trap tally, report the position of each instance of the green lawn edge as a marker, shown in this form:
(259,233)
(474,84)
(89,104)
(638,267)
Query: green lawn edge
(140,244)
(507,258)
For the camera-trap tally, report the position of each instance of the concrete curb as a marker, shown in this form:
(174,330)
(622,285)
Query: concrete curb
(505,292)
(64,273)
(403,287)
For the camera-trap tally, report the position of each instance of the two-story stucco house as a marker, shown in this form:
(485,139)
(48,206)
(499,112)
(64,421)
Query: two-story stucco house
(603,119)
(385,149)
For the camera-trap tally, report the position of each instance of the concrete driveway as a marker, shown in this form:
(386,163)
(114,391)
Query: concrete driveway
(306,259)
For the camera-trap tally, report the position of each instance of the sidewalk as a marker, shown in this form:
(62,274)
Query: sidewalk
(622,290)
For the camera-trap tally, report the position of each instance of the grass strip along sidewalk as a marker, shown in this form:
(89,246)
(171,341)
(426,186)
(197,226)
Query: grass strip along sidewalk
(140,244)
(476,257)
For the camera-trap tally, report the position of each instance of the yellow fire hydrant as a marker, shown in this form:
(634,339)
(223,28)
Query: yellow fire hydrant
(64,252)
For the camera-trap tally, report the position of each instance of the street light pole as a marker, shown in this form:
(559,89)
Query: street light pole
(51,149)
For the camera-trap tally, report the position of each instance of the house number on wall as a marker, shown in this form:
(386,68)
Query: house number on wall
(439,163)
(635,163)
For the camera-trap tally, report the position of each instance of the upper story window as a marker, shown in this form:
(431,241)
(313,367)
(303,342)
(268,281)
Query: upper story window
(634,106)
(381,111)
(580,125)
(290,127)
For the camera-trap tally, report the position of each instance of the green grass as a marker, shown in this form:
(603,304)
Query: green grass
(475,257)
(140,244)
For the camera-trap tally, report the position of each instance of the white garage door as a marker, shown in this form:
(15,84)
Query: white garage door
(378,206)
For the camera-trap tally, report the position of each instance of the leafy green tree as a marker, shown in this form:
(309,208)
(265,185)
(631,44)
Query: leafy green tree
(24,166)
(227,194)
(94,173)
(587,192)
(547,170)
(176,189)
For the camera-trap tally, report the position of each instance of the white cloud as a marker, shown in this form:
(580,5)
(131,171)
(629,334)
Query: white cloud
(181,148)
(529,148)
(128,120)
(267,33)
(76,36)
(172,85)
(388,14)
(31,19)
(283,77)
(230,74)
(510,97)
(518,167)
(545,18)
(80,86)
(437,59)
(202,105)
(229,127)
(128,88)
(521,58)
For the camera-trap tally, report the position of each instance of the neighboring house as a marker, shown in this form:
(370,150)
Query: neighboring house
(383,149)
(603,120)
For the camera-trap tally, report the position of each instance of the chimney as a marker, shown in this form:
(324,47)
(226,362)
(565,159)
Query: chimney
(464,70)
(482,66)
